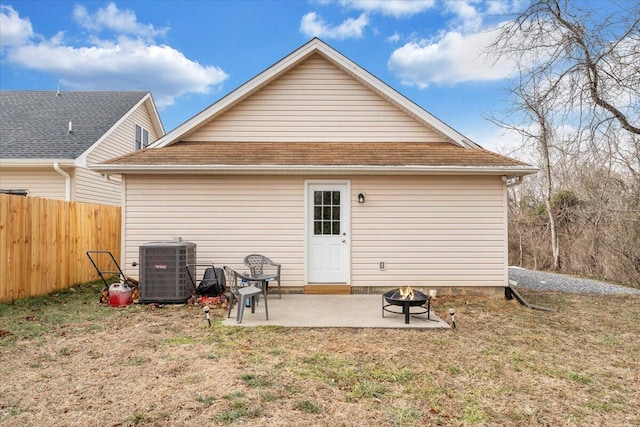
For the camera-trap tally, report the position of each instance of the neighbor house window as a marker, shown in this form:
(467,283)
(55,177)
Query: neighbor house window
(142,137)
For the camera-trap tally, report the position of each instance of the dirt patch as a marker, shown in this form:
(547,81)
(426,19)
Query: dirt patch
(76,363)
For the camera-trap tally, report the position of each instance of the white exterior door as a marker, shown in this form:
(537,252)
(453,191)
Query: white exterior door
(328,239)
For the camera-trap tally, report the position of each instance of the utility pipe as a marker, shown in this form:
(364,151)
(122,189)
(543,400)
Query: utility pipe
(67,179)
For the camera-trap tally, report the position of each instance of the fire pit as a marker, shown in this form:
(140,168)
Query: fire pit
(406,298)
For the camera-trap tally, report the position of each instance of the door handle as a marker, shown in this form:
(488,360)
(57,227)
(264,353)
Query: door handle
(344,241)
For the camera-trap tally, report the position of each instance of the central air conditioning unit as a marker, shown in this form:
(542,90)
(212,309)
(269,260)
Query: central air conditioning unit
(163,272)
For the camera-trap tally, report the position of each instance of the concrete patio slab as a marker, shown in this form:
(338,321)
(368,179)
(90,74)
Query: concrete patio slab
(332,311)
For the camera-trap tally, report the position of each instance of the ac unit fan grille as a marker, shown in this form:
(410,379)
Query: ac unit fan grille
(163,272)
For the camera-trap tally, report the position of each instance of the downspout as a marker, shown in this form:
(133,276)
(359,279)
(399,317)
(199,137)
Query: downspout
(67,179)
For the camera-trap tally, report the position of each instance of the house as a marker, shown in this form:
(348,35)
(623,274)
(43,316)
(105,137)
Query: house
(48,140)
(322,167)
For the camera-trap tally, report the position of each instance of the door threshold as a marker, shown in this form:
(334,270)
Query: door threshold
(327,289)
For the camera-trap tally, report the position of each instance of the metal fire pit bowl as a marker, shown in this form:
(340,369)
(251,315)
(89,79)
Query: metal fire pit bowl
(393,298)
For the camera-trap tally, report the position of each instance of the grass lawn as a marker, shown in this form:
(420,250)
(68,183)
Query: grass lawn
(65,360)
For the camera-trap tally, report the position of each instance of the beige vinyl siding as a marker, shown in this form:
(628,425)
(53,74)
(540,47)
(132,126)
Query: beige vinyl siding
(315,101)
(227,217)
(430,231)
(39,182)
(93,187)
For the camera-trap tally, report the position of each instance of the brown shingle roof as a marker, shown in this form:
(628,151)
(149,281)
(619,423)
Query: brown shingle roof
(314,154)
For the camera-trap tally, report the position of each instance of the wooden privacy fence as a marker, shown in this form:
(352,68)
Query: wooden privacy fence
(43,243)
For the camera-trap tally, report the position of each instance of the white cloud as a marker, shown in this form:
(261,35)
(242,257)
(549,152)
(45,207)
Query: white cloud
(395,38)
(452,58)
(313,25)
(497,7)
(459,52)
(395,8)
(519,142)
(501,7)
(468,18)
(504,141)
(112,18)
(124,65)
(14,31)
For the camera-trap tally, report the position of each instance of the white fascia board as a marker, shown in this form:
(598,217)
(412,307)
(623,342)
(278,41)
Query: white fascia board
(35,163)
(155,116)
(305,169)
(81,160)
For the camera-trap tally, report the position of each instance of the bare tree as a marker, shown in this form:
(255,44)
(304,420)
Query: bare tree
(593,54)
(536,105)
(578,91)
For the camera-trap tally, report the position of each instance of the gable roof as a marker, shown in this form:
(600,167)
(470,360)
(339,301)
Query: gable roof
(314,46)
(449,153)
(35,124)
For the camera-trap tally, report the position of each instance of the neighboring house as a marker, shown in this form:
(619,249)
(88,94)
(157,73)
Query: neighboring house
(322,167)
(49,139)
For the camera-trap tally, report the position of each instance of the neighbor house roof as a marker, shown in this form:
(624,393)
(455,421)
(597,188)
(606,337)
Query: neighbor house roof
(261,157)
(36,124)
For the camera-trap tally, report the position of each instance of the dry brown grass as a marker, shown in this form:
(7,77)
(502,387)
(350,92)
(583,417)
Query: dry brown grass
(67,361)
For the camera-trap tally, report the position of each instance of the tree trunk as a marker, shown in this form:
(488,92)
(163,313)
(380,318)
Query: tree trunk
(545,138)
(555,244)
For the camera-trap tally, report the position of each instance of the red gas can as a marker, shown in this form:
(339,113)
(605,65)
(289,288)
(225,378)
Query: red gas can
(120,295)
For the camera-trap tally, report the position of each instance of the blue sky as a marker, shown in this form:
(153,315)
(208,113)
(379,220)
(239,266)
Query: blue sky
(191,53)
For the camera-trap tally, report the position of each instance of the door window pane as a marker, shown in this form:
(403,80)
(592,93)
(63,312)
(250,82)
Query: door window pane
(326,227)
(336,227)
(335,213)
(326,212)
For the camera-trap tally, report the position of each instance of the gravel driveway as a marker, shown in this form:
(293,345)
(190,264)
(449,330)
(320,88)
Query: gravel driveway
(544,281)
